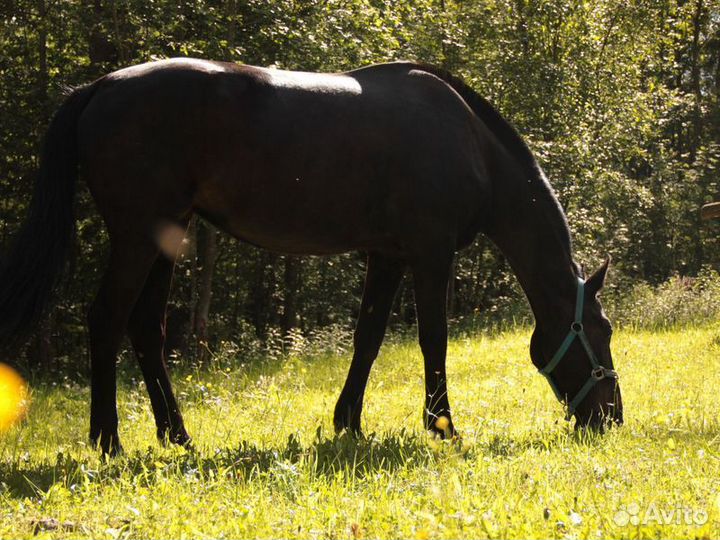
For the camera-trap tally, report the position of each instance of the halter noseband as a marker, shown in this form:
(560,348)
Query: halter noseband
(598,372)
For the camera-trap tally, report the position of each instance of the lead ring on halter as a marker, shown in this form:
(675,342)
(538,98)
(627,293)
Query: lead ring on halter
(598,372)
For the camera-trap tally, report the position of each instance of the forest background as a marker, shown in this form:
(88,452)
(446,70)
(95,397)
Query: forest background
(620,102)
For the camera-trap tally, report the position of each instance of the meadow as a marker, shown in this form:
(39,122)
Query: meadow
(266,462)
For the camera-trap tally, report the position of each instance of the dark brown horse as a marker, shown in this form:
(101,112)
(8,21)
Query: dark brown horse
(402,161)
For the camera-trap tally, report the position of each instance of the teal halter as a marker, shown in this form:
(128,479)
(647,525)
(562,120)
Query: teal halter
(598,372)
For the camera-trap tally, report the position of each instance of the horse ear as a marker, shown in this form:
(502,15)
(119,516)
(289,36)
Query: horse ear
(595,283)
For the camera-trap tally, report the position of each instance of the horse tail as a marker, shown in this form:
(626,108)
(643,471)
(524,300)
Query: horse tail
(37,261)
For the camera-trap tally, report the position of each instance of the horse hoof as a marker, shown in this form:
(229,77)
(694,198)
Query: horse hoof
(111,448)
(115,450)
(355,431)
(349,422)
(179,437)
(109,444)
(183,440)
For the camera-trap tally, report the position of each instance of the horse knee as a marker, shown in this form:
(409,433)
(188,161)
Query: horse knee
(367,355)
(98,321)
(147,341)
(366,347)
(431,348)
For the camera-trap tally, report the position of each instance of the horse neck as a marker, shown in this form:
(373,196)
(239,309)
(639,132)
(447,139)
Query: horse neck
(530,229)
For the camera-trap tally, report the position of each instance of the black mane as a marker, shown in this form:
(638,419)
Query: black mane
(513,142)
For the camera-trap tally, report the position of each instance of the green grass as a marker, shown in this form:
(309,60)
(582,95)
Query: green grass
(266,463)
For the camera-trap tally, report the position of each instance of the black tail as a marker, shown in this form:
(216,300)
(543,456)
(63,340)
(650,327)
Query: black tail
(32,269)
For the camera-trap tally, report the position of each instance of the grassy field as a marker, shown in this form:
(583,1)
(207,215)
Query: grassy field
(266,463)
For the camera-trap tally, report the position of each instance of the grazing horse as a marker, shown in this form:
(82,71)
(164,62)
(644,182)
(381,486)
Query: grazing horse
(402,161)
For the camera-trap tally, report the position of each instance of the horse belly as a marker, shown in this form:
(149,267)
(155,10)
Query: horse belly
(298,212)
(364,195)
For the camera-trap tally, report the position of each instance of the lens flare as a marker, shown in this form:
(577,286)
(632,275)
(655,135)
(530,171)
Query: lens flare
(171,240)
(13,397)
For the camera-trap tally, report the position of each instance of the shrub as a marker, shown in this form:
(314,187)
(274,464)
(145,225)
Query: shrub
(677,302)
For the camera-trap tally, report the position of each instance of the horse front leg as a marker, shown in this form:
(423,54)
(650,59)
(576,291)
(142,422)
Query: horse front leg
(431,276)
(382,280)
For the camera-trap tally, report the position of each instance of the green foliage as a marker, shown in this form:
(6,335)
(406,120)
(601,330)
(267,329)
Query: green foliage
(619,100)
(680,301)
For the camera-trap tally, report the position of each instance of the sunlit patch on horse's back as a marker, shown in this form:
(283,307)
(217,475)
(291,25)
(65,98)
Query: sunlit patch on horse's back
(149,67)
(325,83)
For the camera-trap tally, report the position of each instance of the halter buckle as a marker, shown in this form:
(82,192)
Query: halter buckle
(601,372)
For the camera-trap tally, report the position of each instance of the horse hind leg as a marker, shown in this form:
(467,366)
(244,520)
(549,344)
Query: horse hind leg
(131,257)
(381,283)
(146,329)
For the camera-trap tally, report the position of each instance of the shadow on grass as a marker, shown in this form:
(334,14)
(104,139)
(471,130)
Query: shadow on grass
(343,454)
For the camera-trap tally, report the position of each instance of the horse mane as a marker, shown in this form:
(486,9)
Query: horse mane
(501,128)
(512,141)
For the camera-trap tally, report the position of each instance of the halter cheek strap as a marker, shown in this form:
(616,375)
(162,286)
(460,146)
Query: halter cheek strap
(598,372)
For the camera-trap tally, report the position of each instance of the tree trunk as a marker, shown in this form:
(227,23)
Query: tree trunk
(696,138)
(262,292)
(291,279)
(117,35)
(42,73)
(451,290)
(695,78)
(208,252)
(40,350)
